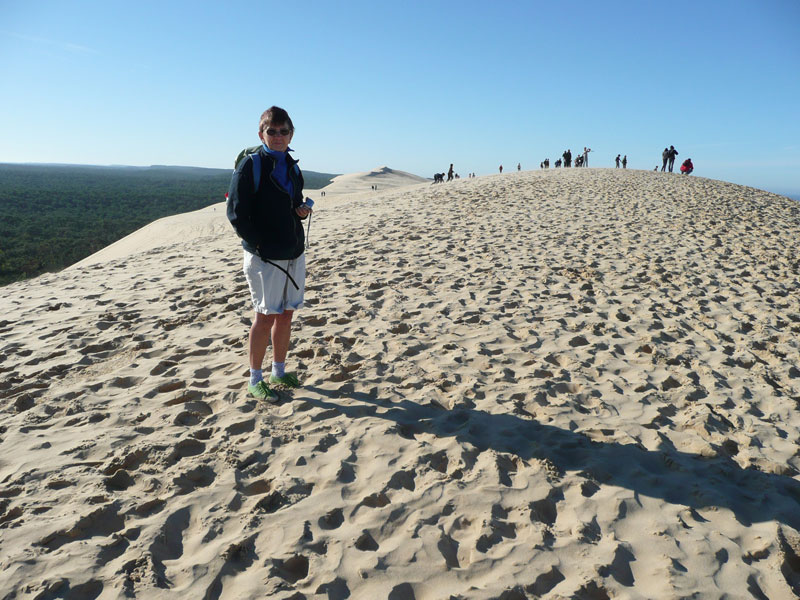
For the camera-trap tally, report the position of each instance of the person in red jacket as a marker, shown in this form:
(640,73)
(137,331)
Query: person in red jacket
(687,166)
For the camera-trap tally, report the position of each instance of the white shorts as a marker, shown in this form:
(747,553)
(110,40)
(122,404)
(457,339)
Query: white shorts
(270,288)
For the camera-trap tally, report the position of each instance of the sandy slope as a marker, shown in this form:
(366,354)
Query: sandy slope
(211,220)
(566,384)
(176,229)
(360,185)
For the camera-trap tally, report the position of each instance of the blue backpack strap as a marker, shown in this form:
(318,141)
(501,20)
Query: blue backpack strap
(256,170)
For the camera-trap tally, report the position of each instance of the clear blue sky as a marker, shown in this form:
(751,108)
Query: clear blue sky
(412,85)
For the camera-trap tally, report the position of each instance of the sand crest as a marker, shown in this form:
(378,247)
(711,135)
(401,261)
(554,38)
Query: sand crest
(559,384)
(353,186)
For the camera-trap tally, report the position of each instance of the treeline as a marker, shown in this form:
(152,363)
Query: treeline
(52,216)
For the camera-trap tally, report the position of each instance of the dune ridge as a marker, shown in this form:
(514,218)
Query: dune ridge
(361,183)
(566,383)
(212,220)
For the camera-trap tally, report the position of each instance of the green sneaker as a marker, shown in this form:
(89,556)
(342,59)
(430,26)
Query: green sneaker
(289,380)
(262,392)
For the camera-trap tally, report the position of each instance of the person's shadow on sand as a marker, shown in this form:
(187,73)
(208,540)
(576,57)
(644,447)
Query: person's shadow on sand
(676,477)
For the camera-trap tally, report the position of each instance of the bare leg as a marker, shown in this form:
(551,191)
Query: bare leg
(259,338)
(281,332)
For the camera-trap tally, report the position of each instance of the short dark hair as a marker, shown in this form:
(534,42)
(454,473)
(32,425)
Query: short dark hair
(274,115)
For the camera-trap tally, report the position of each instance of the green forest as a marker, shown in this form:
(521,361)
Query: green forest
(52,216)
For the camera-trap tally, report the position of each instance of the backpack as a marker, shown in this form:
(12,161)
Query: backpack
(251,151)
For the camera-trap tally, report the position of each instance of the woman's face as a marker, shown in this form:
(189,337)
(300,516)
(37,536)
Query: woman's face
(276,136)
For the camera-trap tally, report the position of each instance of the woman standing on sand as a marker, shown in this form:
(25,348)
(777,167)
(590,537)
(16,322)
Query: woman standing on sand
(267,216)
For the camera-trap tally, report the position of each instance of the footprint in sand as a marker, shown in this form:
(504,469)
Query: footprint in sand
(162,367)
(498,530)
(102,522)
(189,481)
(315,321)
(545,510)
(333,519)
(346,472)
(184,449)
(168,545)
(292,570)
(366,543)
(242,427)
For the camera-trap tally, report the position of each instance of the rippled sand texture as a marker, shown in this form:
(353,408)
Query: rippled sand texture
(558,384)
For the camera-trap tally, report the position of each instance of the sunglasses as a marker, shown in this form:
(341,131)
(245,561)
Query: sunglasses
(284,131)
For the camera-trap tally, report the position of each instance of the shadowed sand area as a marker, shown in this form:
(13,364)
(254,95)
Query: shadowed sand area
(563,384)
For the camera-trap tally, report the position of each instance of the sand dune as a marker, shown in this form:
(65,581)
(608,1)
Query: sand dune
(357,185)
(563,384)
(211,220)
(177,229)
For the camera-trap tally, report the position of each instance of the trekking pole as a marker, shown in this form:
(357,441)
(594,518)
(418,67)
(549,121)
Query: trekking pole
(309,203)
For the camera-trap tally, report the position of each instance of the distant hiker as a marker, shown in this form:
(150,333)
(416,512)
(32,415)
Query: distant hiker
(625,162)
(687,167)
(450,173)
(672,154)
(274,245)
(664,159)
(519,167)
(586,156)
(567,158)
(616,160)
(557,164)
(501,168)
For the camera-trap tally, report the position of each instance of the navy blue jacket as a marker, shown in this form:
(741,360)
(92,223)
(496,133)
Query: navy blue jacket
(265,219)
